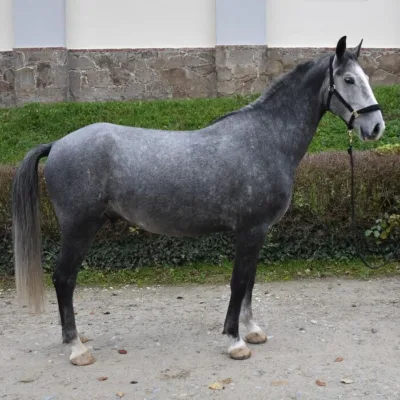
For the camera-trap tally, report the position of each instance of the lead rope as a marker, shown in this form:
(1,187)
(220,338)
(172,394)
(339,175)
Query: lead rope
(353,213)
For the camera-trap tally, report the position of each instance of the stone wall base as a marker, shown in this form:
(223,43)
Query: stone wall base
(53,75)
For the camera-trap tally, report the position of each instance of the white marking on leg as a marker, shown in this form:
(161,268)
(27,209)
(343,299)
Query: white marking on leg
(255,334)
(236,344)
(246,317)
(252,327)
(77,348)
(238,350)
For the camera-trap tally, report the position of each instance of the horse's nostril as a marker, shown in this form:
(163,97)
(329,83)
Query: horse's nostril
(377,129)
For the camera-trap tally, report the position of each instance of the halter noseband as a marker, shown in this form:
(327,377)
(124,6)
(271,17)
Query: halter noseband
(333,91)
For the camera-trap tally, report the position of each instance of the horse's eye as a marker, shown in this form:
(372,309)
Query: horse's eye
(349,80)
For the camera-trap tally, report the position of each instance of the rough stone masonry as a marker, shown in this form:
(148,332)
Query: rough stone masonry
(57,74)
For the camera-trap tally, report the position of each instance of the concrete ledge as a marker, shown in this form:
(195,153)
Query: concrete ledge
(57,74)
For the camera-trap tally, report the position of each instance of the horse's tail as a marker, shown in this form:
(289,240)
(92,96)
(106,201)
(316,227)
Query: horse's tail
(26,230)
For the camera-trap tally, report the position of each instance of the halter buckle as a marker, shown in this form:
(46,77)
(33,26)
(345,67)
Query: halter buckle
(350,133)
(356,114)
(332,88)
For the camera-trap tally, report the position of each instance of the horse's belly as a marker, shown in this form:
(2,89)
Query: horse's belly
(172,222)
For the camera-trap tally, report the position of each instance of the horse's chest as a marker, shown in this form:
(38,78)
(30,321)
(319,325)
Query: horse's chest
(273,204)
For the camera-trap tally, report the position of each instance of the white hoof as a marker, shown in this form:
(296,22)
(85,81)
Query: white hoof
(239,351)
(83,359)
(257,337)
(80,354)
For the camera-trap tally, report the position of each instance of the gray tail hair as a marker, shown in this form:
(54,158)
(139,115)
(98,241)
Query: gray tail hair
(26,230)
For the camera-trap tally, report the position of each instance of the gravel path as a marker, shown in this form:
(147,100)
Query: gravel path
(175,349)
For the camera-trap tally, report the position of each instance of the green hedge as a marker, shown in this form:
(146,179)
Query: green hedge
(316,225)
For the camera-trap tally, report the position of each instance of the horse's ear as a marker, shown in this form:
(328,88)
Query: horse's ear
(341,48)
(357,50)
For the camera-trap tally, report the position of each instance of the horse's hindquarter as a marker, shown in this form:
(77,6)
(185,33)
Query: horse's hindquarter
(77,173)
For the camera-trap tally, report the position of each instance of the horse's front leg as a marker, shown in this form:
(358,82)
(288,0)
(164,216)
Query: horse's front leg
(255,334)
(248,247)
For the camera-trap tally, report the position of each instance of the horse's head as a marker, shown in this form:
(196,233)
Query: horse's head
(350,95)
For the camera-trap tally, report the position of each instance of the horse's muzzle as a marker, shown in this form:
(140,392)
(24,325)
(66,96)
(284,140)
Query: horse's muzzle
(375,134)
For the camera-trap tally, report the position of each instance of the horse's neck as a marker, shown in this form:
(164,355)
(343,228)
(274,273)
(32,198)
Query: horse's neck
(295,110)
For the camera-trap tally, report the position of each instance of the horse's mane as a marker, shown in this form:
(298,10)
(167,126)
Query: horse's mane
(228,115)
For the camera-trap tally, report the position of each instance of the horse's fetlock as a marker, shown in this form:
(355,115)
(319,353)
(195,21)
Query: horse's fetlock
(69,336)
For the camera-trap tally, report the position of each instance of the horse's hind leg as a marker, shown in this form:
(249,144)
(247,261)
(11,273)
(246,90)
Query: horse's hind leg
(255,334)
(248,247)
(76,240)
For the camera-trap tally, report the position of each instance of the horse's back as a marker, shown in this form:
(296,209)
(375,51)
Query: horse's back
(107,168)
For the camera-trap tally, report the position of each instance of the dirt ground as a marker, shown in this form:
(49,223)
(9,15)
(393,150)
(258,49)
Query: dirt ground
(175,348)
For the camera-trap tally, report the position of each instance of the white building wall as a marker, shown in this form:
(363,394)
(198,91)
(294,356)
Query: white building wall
(102,24)
(320,23)
(99,24)
(6,26)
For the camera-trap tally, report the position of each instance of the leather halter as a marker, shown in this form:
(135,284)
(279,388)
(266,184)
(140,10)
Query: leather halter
(332,91)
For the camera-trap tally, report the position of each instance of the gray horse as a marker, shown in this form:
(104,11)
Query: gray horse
(234,175)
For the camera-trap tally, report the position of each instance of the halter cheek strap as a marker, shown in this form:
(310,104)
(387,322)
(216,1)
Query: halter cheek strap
(332,91)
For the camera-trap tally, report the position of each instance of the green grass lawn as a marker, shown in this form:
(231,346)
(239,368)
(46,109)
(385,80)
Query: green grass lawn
(24,127)
(221,274)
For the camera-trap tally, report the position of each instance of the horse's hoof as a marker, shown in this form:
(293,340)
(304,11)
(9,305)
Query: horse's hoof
(240,354)
(239,351)
(82,359)
(256,337)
